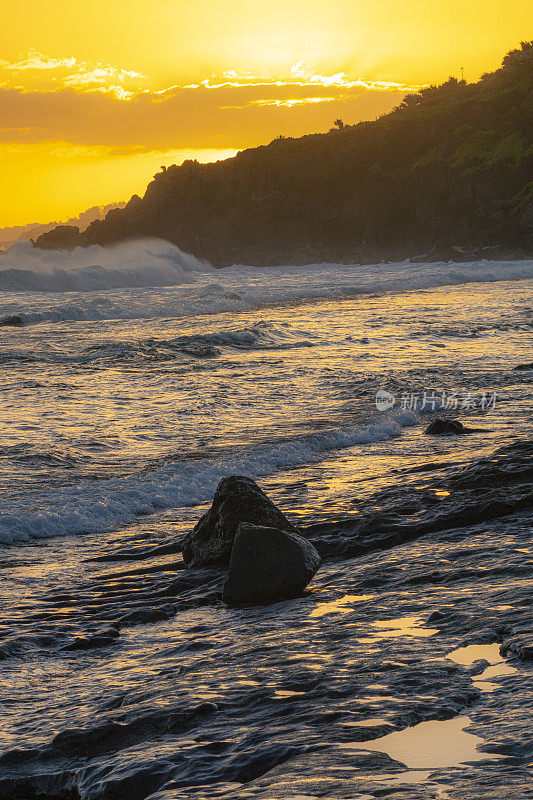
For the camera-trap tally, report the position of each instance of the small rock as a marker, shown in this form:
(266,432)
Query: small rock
(520,645)
(140,616)
(479,666)
(268,565)
(237,499)
(448,427)
(436,616)
(13,321)
(524,366)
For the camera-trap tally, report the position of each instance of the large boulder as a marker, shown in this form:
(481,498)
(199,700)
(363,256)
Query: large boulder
(237,499)
(449,427)
(267,565)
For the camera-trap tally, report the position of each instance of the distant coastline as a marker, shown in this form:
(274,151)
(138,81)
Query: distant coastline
(32,230)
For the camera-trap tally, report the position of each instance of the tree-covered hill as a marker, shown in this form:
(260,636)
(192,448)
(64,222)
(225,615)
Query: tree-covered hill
(448,172)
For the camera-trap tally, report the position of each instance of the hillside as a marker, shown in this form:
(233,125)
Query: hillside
(17,233)
(446,174)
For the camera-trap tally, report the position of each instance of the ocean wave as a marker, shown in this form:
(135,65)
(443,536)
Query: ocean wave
(148,262)
(98,506)
(31,456)
(263,335)
(166,283)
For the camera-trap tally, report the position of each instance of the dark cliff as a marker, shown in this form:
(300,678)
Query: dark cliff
(448,172)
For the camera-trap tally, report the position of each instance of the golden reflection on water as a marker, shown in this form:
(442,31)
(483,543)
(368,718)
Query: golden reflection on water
(497,668)
(402,626)
(473,652)
(366,723)
(436,744)
(342,605)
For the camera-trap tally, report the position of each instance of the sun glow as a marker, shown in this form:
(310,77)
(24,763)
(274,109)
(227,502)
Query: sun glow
(278,48)
(131,80)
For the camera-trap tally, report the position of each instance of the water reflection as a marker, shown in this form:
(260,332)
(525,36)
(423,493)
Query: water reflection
(433,745)
(402,626)
(342,605)
(497,668)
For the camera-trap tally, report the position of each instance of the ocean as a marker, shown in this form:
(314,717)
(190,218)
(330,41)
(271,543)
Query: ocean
(139,382)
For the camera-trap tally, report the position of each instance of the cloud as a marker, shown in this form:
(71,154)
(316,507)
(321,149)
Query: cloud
(290,102)
(228,117)
(119,91)
(100,76)
(70,72)
(108,106)
(84,78)
(301,75)
(38,61)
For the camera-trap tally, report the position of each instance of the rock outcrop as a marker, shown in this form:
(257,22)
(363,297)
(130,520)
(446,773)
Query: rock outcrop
(268,565)
(521,645)
(449,427)
(13,321)
(64,237)
(237,499)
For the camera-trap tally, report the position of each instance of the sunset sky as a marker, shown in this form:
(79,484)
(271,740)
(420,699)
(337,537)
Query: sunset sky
(94,97)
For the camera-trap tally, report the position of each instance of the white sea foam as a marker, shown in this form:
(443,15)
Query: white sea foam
(187,286)
(95,506)
(150,262)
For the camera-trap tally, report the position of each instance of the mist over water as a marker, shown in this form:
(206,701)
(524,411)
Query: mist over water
(122,407)
(152,278)
(150,262)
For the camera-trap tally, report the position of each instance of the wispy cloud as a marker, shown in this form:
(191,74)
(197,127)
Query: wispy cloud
(100,75)
(46,99)
(301,75)
(290,102)
(71,73)
(86,77)
(43,73)
(38,61)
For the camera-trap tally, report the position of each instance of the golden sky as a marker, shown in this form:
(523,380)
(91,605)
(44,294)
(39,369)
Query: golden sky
(95,96)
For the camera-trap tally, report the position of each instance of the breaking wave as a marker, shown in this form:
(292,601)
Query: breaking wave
(148,262)
(262,335)
(153,279)
(95,506)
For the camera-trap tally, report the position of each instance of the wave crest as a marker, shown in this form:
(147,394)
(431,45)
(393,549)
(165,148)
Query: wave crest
(142,263)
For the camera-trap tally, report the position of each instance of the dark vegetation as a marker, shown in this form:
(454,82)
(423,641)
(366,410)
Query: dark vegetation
(446,174)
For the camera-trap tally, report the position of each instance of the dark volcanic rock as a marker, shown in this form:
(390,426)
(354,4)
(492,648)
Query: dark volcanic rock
(237,499)
(524,366)
(13,321)
(64,237)
(267,565)
(520,645)
(447,427)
